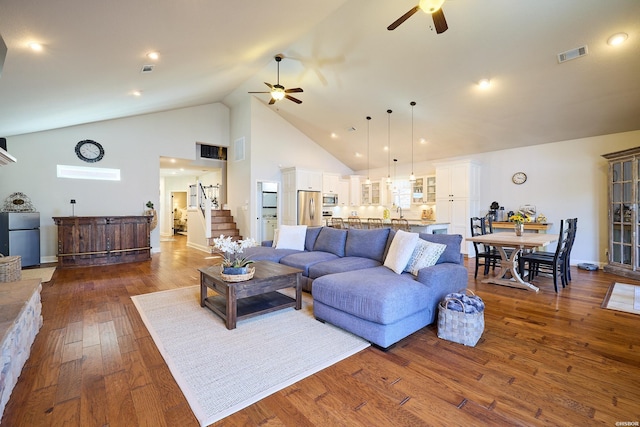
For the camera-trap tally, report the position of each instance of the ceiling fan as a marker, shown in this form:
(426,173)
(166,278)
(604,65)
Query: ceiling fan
(433,7)
(278,91)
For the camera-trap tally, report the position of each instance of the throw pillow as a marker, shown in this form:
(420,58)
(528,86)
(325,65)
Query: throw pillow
(424,255)
(291,237)
(400,250)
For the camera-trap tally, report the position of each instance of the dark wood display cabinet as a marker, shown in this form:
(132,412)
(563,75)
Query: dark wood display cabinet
(102,240)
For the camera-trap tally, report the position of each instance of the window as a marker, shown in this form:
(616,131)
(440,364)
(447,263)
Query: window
(84,172)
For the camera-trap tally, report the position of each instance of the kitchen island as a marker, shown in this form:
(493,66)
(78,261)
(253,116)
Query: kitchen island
(416,225)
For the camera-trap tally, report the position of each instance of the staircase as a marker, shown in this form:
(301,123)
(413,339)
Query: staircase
(222,223)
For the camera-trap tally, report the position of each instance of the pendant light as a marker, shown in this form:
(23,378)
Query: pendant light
(389,147)
(368,181)
(412,177)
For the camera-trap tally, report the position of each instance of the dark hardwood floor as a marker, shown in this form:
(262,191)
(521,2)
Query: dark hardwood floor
(544,359)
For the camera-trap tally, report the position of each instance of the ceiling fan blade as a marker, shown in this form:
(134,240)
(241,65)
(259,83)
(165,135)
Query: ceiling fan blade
(272,101)
(291,98)
(268,84)
(258,92)
(439,22)
(403,18)
(294,90)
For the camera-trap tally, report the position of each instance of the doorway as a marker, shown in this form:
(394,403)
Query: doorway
(267,212)
(179,212)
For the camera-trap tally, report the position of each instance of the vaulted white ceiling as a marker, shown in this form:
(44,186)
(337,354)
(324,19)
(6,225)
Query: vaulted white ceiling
(349,65)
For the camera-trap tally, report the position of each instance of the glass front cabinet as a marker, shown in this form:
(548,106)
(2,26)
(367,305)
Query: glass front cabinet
(623,218)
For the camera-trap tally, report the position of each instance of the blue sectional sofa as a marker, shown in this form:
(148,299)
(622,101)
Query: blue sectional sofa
(352,289)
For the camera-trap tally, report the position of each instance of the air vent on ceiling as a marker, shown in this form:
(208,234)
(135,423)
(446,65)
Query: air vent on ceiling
(572,54)
(147,68)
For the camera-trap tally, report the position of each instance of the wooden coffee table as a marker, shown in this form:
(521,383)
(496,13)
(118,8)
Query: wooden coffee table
(240,300)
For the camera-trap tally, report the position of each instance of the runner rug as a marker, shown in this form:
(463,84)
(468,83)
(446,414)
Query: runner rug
(221,371)
(623,297)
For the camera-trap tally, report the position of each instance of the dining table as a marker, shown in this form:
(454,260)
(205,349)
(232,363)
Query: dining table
(510,275)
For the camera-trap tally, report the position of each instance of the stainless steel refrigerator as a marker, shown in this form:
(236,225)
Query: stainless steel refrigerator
(309,208)
(20,235)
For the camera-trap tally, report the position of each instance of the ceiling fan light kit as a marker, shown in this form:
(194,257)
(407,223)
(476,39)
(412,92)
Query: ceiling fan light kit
(432,7)
(277,91)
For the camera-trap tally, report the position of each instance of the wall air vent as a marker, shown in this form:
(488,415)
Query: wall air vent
(572,54)
(147,68)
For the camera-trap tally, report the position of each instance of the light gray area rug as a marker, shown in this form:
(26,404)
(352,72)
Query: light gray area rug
(221,371)
(623,297)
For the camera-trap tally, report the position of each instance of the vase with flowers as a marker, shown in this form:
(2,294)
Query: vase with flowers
(519,219)
(233,264)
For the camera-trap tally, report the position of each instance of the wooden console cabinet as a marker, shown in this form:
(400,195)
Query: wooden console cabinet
(101,240)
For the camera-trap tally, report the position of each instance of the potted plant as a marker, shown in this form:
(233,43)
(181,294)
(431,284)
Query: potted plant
(232,263)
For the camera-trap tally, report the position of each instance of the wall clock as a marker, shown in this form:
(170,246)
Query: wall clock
(89,151)
(519,178)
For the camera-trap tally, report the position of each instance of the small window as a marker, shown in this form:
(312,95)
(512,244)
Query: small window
(84,172)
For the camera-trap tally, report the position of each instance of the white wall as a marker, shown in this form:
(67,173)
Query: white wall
(133,145)
(271,143)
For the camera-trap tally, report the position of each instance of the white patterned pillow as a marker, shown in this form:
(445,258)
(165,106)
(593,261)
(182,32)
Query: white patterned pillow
(400,250)
(424,255)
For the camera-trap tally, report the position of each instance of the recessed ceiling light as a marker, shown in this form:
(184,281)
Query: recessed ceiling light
(35,46)
(136,93)
(358,154)
(153,55)
(484,83)
(334,135)
(617,39)
(386,148)
(423,140)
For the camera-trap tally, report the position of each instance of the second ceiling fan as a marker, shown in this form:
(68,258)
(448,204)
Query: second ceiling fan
(433,7)
(278,91)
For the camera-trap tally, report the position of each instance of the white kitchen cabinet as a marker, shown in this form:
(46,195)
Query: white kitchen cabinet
(343,192)
(457,197)
(430,189)
(417,191)
(268,228)
(308,180)
(355,195)
(331,183)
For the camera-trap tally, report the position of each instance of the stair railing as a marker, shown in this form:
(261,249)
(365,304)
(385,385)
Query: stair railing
(205,197)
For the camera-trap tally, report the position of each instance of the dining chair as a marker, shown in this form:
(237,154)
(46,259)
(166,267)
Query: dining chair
(337,223)
(400,224)
(375,222)
(485,253)
(354,222)
(571,224)
(538,262)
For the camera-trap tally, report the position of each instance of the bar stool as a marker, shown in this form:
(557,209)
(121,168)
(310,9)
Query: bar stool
(337,223)
(400,224)
(354,222)
(375,222)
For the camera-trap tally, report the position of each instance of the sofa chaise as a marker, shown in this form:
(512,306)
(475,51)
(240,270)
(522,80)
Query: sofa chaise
(359,281)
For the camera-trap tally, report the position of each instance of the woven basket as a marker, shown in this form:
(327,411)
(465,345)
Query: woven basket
(237,277)
(458,326)
(10,268)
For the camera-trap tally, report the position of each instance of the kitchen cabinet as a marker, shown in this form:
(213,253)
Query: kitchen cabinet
(371,194)
(308,180)
(457,197)
(343,192)
(418,191)
(331,183)
(269,226)
(355,195)
(430,189)
(623,221)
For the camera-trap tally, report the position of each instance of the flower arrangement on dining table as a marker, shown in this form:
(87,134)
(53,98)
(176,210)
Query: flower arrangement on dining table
(231,248)
(519,218)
